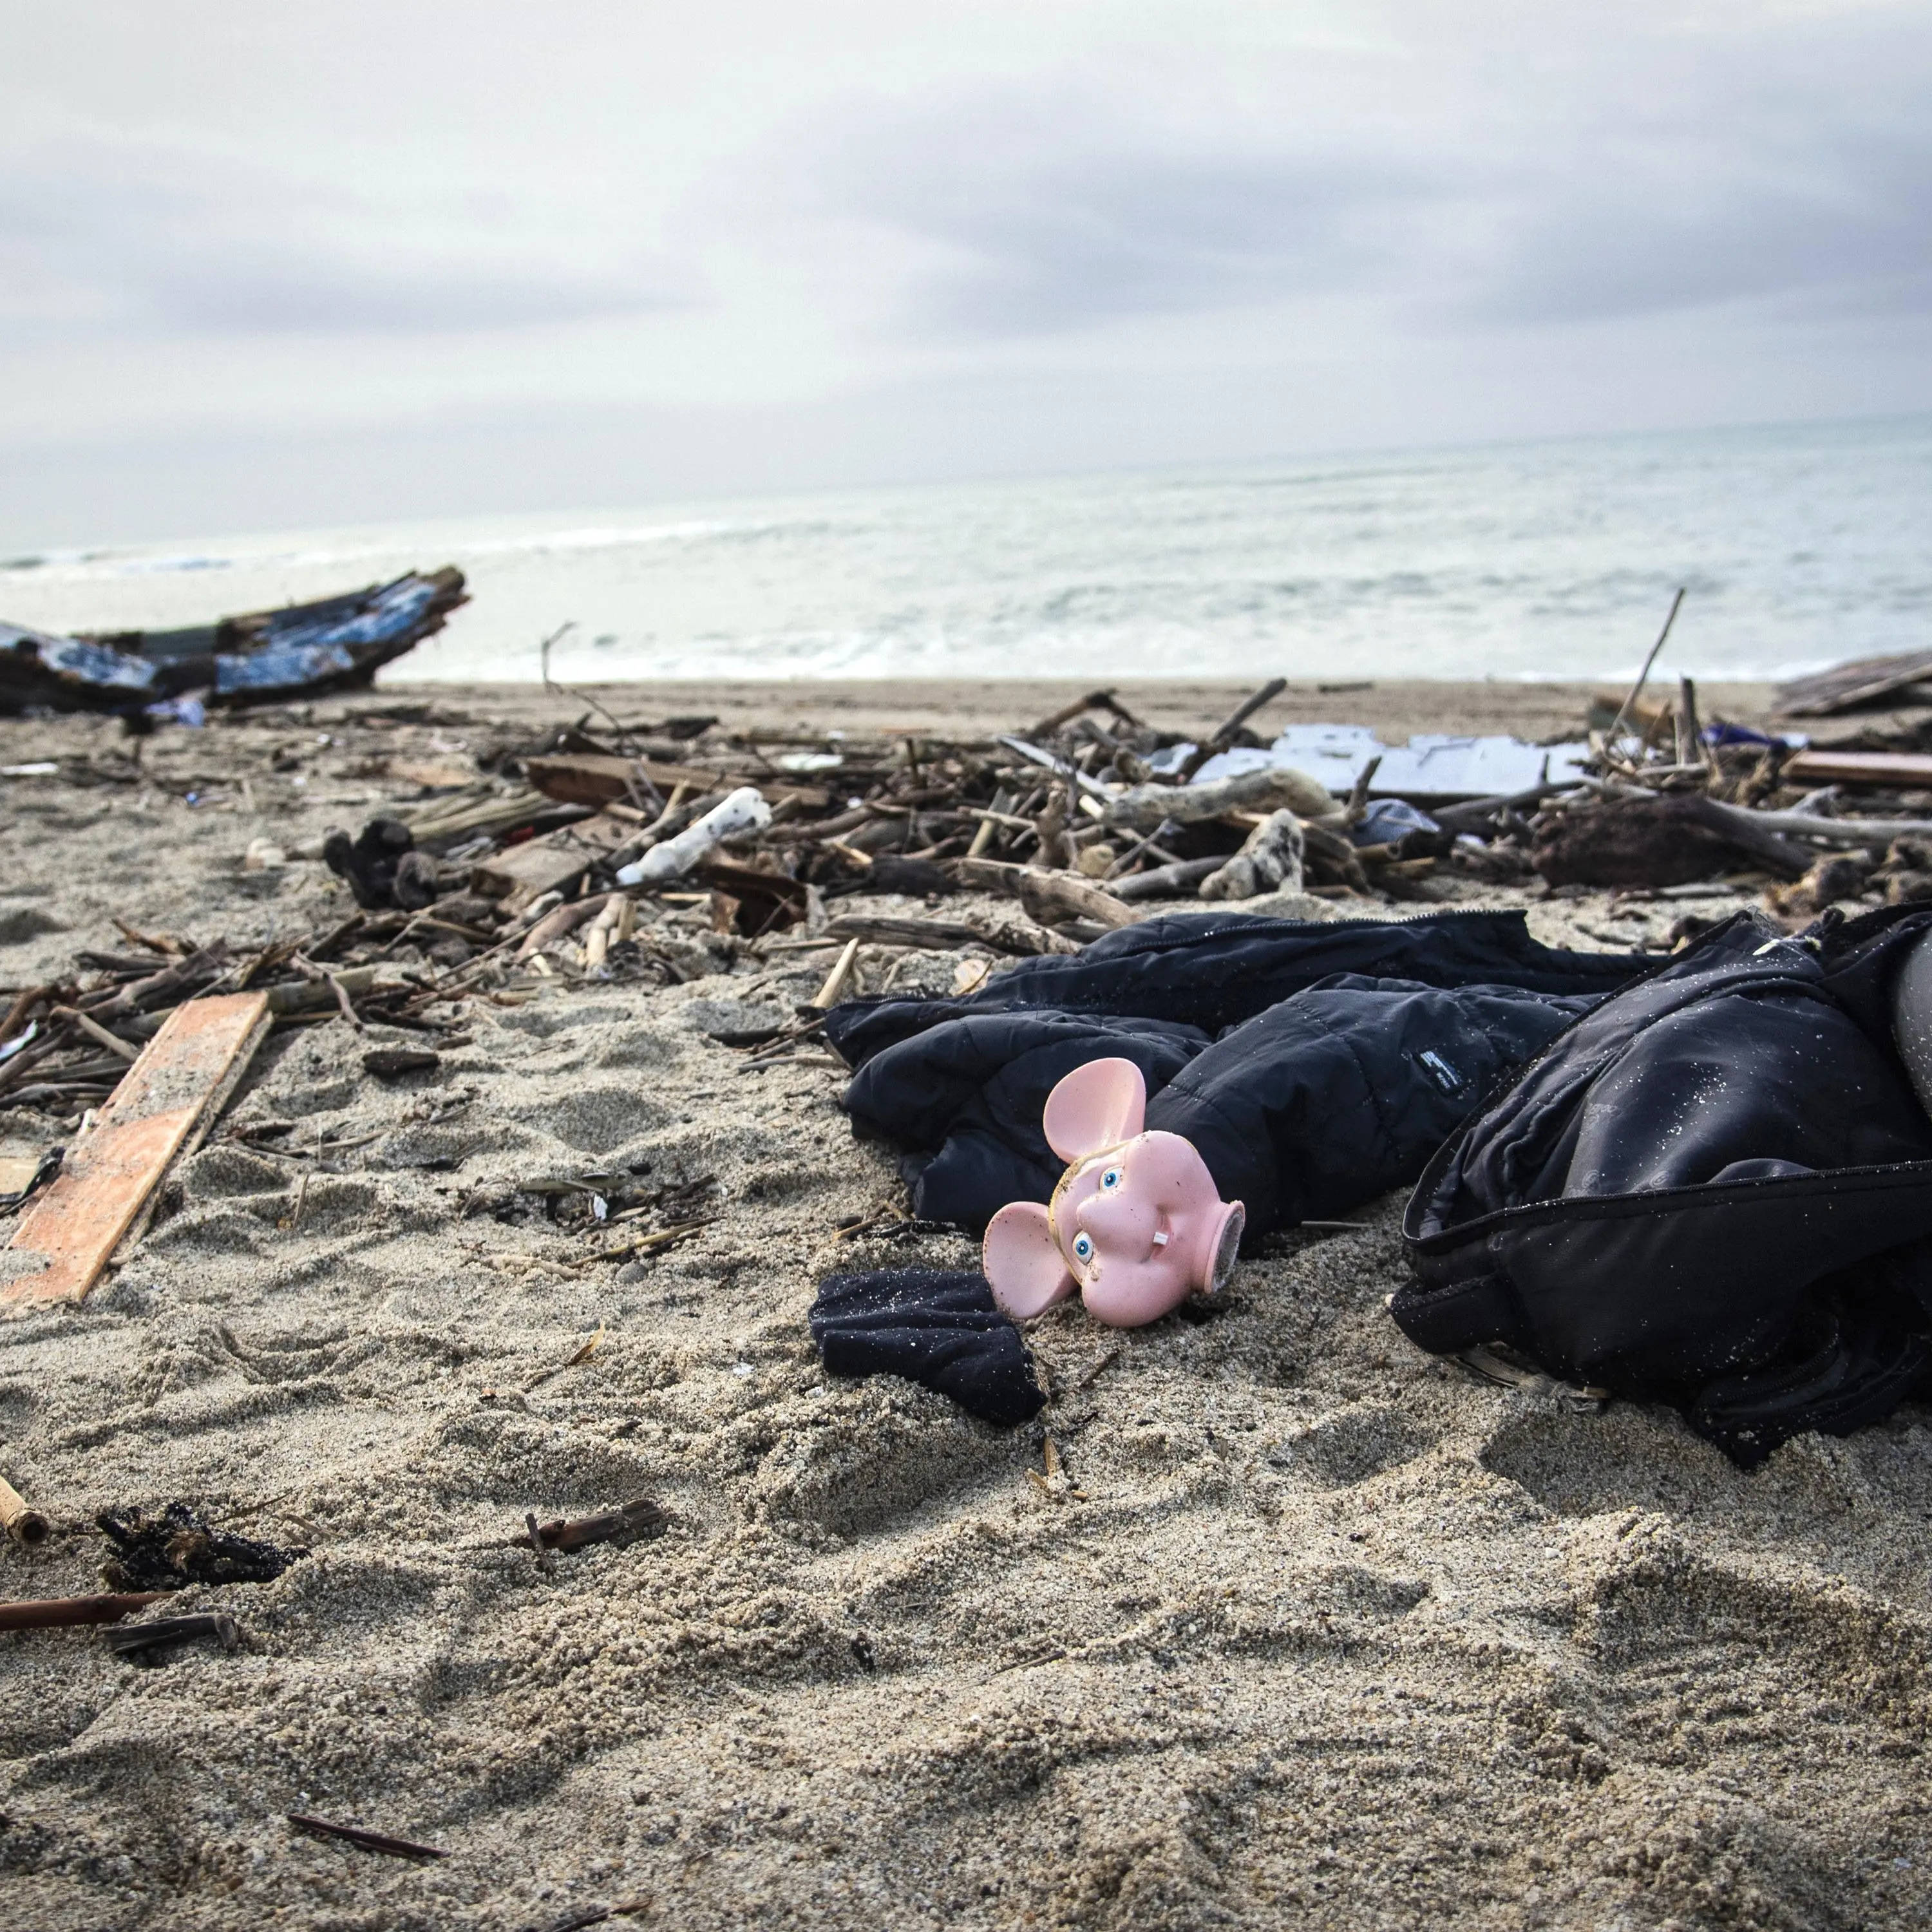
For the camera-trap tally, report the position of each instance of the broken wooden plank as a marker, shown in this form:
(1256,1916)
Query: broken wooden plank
(169,1099)
(591,778)
(552,863)
(1905,769)
(1862,681)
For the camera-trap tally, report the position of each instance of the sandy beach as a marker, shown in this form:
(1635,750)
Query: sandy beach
(1301,1627)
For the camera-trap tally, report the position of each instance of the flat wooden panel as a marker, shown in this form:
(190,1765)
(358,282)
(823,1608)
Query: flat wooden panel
(167,1101)
(1907,769)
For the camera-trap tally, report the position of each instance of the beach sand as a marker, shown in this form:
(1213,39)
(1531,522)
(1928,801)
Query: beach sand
(1311,1629)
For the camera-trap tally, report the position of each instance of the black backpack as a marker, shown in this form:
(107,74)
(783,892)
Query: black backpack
(1714,1189)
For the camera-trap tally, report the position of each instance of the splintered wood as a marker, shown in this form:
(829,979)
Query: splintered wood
(168,1100)
(550,863)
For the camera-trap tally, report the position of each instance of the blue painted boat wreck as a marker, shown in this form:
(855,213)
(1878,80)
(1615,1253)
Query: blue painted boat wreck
(266,657)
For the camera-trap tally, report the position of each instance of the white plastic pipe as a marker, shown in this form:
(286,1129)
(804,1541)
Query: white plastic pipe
(744,811)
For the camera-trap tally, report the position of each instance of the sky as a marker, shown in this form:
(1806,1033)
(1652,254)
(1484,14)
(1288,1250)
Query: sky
(263,267)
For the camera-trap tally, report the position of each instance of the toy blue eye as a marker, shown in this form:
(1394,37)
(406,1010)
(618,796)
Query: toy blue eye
(1110,1179)
(1083,1247)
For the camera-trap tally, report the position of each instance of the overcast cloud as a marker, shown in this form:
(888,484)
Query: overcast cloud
(262,266)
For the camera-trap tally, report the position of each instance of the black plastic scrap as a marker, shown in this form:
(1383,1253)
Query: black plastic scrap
(265,656)
(938,1327)
(176,1547)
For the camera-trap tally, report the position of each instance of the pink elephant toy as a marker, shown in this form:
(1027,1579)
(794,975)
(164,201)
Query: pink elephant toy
(1136,1224)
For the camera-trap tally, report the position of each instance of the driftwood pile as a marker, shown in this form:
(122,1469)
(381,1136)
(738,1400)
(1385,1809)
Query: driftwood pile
(1078,824)
(1676,802)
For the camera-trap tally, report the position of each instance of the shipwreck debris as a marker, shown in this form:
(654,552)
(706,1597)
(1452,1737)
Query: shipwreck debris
(1846,686)
(265,656)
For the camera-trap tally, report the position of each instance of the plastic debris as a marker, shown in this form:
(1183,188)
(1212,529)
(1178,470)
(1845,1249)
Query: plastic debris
(744,811)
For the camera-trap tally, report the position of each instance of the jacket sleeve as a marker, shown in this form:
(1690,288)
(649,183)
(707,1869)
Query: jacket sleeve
(1342,1093)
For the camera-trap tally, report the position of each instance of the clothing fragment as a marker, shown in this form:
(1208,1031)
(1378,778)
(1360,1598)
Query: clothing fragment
(938,1327)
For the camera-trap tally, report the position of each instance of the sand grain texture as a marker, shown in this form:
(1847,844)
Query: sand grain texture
(1330,1635)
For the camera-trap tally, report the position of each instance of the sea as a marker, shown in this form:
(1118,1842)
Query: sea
(1796,546)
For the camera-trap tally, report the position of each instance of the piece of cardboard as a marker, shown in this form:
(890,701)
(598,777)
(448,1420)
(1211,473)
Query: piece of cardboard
(165,1104)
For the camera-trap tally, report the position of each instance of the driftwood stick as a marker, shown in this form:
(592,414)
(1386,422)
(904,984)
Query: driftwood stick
(1094,701)
(597,941)
(1243,712)
(829,995)
(127,1639)
(154,942)
(1691,748)
(57,1612)
(564,919)
(367,1841)
(1615,731)
(1476,813)
(1358,793)
(1833,831)
(23,1004)
(1223,735)
(629,1524)
(1172,881)
(1148,842)
(20,1519)
(99,1034)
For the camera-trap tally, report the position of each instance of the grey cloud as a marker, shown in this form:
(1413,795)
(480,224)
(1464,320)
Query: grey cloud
(1058,220)
(1786,166)
(108,240)
(1847,224)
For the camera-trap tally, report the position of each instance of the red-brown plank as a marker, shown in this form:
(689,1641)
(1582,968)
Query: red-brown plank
(167,1100)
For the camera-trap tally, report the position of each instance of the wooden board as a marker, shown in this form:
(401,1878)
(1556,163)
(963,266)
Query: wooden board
(1863,681)
(167,1101)
(552,863)
(1905,770)
(589,778)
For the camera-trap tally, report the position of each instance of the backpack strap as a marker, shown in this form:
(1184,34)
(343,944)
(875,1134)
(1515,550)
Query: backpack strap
(1461,1315)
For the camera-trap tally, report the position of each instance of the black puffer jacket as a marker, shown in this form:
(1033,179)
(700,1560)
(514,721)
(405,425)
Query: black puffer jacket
(1314,1066)
(1714,1188)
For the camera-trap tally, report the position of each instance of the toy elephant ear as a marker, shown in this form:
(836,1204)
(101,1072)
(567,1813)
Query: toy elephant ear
(1095,1106)
(1027,1273)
